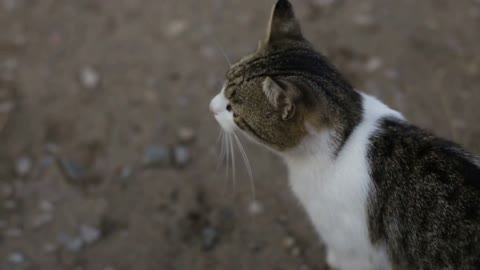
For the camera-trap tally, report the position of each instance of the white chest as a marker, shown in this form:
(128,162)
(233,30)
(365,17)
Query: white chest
(335,193)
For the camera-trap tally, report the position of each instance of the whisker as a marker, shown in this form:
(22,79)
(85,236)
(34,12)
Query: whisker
(227,154)
(218,46)
(232,152)
(247,164)
(222,150)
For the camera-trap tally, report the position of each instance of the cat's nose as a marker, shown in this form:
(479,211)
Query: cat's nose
(218,104)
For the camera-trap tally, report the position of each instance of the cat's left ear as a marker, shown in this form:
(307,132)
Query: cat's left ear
(280,97)
(283,24)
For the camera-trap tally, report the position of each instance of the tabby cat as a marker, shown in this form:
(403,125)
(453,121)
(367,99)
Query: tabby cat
(381,192)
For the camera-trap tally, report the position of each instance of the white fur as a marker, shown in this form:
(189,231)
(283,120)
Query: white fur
(333,191)
(218,106)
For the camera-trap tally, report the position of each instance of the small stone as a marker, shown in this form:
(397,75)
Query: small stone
(14,233)
(17,261)
(391,74)
(373,64)
(23,166)
(52,148)
(89,234)
(176,28)
(296,251)
(71,169)
(255,208)
(150,96)
(209,238)
(126,172)
(364,20)
(289,242)
(181,156)
(49,248)
(186,135)
(157,156)
(41,220)
(89,78)
(45,206)
(71,243)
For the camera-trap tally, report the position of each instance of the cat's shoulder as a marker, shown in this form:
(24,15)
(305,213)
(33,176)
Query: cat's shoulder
(400,146)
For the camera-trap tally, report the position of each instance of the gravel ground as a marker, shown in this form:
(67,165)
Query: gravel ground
(108,158)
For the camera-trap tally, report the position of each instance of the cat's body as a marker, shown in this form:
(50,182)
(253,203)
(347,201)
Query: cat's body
(382,193)
(335,190)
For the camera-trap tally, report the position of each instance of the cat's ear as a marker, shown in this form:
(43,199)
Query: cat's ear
(283,25)
(278,96)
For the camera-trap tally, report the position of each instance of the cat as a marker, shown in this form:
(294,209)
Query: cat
(381,193)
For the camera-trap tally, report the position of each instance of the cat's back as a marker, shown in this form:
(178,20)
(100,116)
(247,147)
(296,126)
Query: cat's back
(425,204)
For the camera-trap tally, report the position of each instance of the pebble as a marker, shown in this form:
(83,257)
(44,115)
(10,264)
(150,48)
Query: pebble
(176,28)
(89,234)
(23,166)
(289,242)
(364,20)
(157,156)
(186,135)
(17,261)
(181,156)
(126,172)
(41,220)
(296,251)
(373,64)
(255,208)
(49,248)
(71,243)
(391,74)
(210,238)
(45,206)
(89,78)
(71,169)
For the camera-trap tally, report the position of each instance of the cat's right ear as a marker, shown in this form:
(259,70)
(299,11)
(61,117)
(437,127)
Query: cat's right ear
(283,24)
(279,97)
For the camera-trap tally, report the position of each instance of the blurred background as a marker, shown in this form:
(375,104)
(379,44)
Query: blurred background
(108,153)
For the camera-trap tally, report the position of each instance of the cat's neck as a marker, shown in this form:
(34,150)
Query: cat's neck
(323,146)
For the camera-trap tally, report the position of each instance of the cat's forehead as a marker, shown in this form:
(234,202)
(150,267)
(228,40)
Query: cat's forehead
(239,70)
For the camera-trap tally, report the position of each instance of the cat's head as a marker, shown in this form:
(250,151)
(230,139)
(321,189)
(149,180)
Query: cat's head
(285,90)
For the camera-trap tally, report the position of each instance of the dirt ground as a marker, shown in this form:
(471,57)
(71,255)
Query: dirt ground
(108,154)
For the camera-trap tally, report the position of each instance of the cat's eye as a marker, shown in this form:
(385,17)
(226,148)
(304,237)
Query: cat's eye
(229,107)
